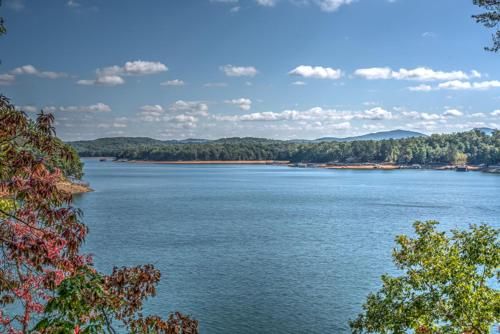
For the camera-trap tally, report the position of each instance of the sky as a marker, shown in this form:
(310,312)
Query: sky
(285,69)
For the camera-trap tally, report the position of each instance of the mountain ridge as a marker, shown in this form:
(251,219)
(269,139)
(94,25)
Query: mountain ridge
(382,135)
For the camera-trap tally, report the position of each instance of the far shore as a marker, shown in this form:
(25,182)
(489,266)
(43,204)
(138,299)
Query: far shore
(348,166)
(210,162)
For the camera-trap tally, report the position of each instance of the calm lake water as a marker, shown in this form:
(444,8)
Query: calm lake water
(266,249)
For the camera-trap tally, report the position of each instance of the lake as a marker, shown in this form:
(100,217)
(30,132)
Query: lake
(269,249)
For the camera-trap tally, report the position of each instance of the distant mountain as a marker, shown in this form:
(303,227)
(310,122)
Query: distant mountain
(186,141)
(394,134)
(487,131)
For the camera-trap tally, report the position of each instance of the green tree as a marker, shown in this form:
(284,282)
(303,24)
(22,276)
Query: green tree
(491,19)
(444,287)
(460,158)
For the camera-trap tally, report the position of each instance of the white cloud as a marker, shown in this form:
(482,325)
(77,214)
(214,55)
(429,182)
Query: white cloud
(466,85)
(373,73)
(418,74)
(242,103)
(99,107)
(316,72)
(175,82)
(332,5)
(151,113)
(495,113)
(195,107)
(299,83)
(239,71)
(377,113)
(105,80)
(32,70)
(453,113)
(316,114)
(6,79)
(421,115)
(140,67)
(267,3)
(28,108)
(324,5)
(113,75)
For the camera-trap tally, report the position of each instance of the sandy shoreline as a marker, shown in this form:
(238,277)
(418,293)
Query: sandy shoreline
(73,188)
(364,167)
(367,166)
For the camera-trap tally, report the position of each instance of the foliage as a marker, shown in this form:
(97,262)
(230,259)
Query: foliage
(444,287)
(91,301)
(490,19)
(474,146)
(41,268)
(40,233)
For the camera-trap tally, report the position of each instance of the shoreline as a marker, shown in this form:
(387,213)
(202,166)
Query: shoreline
(209,162)
(352,166)
(64,186)
(73,188)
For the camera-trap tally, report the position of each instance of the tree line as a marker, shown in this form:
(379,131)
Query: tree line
(473,147)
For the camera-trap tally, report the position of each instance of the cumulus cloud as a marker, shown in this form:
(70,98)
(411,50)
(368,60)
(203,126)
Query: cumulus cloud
(99,107)
(242,103)
(324,5)
(495,113)
(151,113)
(105,80)
(420,88)
(6,79)
(316,72)
(267,3)
(196,107)
(466,85)
(140,67)
(316,114)
(156,112)
(239,71)
(332,5)
(417,74)
(175,82)
(32,70)
(453,113)
(27,108)
(376,113)
(421,115)
(113,75)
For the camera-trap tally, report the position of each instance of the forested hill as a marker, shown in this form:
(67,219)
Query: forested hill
(474,147)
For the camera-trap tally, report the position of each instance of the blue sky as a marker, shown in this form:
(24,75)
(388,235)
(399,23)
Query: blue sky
(266,68)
